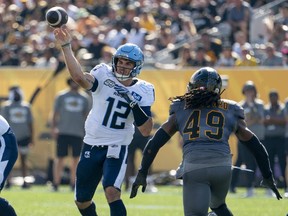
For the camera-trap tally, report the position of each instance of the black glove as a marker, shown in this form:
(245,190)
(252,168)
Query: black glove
(140,180)
(124,92)
(270,183)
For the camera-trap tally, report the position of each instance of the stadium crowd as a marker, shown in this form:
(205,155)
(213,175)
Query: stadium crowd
(186,29)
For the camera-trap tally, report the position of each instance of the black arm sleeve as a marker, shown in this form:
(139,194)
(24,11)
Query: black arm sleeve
(260,154)
(140,116)
(155,143)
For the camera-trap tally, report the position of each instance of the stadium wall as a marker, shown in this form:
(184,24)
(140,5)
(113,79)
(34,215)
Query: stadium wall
(167,83)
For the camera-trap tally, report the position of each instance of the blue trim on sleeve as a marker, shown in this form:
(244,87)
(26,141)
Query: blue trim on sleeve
(95,85)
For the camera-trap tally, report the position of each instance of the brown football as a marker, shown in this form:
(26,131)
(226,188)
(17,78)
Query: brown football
(56,17)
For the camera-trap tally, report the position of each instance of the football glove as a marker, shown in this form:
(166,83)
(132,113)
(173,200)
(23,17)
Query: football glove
(124,92)
(270,183)
(140,180)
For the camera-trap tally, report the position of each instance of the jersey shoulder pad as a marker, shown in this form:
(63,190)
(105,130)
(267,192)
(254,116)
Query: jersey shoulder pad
(145,86)
(175,106)
(101,69)
(229,102)
(146,91)
(239,111)
(235,107)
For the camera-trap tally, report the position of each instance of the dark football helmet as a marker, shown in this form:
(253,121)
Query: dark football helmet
(130,52)
(206,78)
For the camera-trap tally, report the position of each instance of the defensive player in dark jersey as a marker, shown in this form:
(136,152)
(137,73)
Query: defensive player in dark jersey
(205,122)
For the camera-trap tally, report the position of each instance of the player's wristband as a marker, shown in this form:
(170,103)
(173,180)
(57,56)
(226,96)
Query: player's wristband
(66,45)
(139,115)
(260,154)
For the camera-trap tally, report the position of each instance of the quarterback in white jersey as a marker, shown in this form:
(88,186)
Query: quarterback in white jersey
(119,99)
(110,121)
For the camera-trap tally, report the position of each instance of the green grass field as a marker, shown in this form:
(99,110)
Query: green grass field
(40,201)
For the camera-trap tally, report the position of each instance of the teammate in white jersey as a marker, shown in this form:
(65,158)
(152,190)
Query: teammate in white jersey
(8,157)
(119,99)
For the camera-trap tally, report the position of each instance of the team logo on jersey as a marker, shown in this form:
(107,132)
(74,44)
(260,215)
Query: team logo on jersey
(110,83)
(136,96)
(87,154)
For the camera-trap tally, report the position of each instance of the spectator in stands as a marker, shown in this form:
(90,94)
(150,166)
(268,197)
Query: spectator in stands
(274,141)
(147,20)
(96,46)
(254,117)
(187,29)
(106,55)
(278,35)
(8,58)
(86,21)
(212,45)
(273,58)
(76,42)
(137,35)
(72,10)
(47,59)
(247,58)
(200,58)
(283,9)
(284,51)
(165,38)
(19,115)
(185,58)
(117,35)
(227,57)
(129,14)
(239,16)
(70,111)
(240,40)
(100,9)
(28,57)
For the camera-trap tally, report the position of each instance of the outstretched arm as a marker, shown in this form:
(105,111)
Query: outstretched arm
(63,37)
(161,137)
(250,140)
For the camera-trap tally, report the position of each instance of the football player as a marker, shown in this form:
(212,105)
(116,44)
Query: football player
(8,157)
(119,99)
(205,122)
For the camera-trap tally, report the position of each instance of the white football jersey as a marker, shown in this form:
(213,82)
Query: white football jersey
(4,126)
(110,121)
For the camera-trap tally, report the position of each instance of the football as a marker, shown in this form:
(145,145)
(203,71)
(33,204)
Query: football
(56,17)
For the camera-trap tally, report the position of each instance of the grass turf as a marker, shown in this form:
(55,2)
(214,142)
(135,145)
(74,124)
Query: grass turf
(40,201)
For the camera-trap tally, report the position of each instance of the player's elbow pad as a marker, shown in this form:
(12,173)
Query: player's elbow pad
(260,154)
(152,148)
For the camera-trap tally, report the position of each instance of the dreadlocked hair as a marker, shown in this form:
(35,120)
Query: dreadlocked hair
(198,97)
